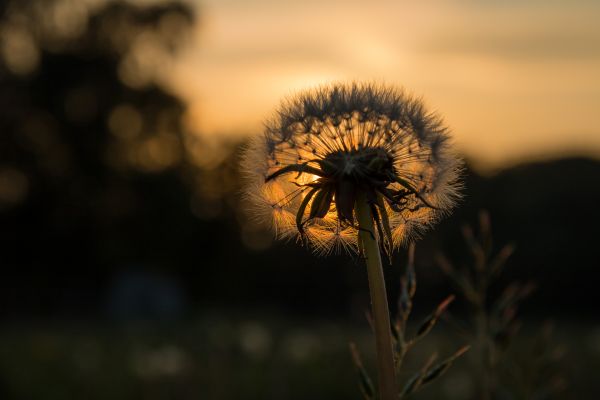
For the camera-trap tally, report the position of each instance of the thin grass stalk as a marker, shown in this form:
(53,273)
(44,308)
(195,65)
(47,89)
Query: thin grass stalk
(379,302)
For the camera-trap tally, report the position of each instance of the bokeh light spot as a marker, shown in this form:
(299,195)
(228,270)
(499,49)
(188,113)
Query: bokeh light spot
(14,186)
(125,122)
(19,50)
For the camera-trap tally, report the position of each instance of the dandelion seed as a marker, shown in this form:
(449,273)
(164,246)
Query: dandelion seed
(325,146)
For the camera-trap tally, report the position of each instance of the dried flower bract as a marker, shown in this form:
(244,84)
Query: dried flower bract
(325,146)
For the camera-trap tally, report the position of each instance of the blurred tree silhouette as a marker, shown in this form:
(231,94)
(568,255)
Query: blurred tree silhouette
(91,150)
(97,173)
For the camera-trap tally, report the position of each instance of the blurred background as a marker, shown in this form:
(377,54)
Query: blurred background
(130,269)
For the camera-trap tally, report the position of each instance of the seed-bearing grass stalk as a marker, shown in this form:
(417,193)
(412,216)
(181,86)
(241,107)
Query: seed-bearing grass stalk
(379,302)
(495,324)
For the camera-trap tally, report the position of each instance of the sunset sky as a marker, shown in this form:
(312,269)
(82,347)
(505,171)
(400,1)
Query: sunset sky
(515,80)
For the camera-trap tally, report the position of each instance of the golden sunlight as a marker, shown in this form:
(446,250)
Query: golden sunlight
(516,81)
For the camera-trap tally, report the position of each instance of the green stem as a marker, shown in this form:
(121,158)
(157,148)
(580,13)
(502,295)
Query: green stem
(379,303)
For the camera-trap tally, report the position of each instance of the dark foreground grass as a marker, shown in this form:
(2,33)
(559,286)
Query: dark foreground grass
(221,357)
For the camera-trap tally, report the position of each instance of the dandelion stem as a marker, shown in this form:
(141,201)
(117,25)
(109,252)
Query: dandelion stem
(379,302)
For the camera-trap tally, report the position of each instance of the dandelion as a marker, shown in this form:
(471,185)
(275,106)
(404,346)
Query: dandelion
(327,147)
(354,167)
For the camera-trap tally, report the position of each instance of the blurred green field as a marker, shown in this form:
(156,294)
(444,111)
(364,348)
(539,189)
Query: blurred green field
(222,356)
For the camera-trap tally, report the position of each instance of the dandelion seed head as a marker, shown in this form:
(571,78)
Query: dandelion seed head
(324,145)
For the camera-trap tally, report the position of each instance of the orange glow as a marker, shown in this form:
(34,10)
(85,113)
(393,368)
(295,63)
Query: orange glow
(357,139)
(514,81)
